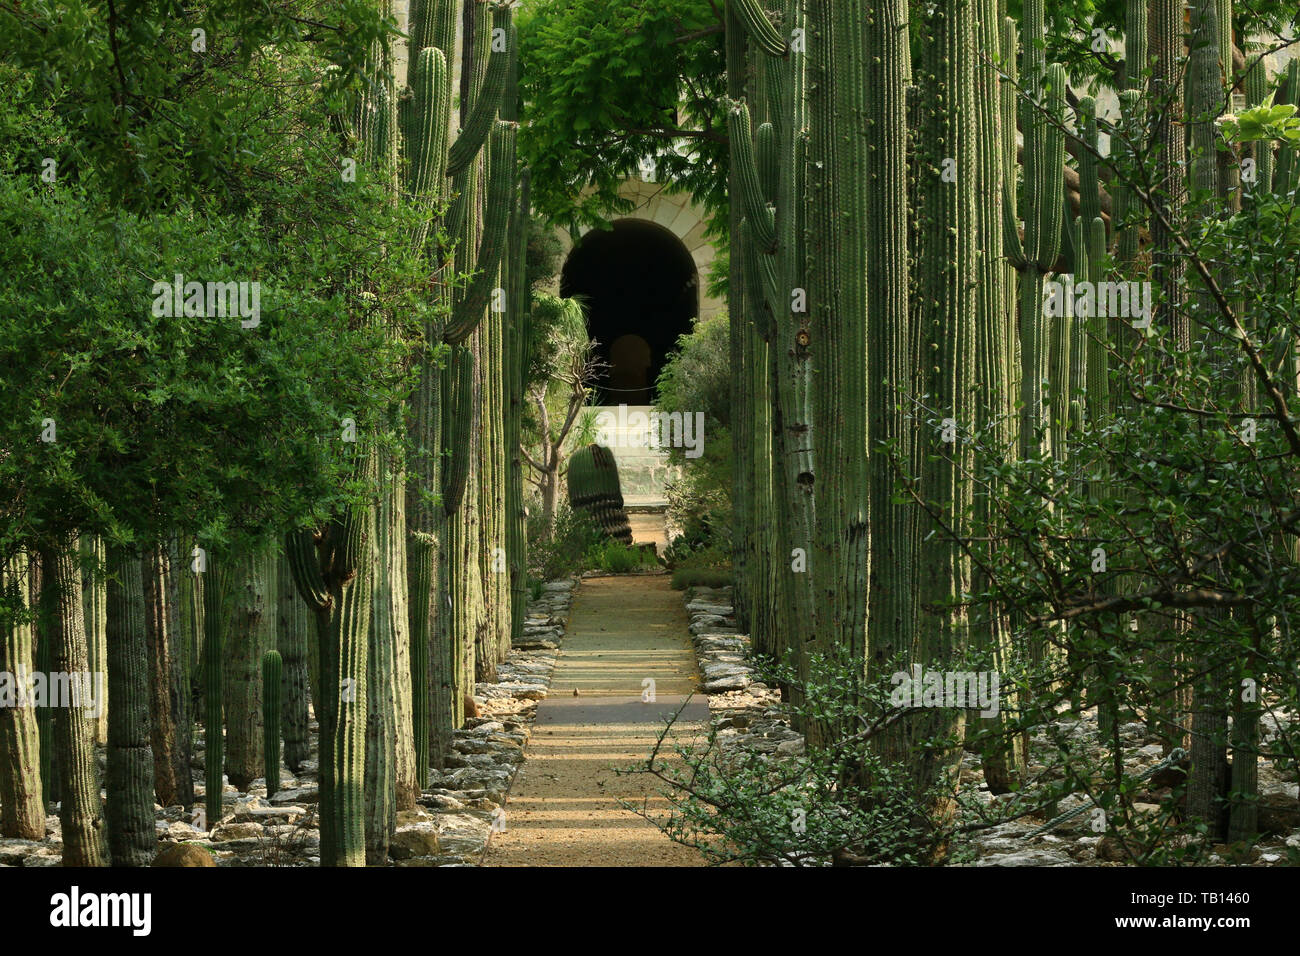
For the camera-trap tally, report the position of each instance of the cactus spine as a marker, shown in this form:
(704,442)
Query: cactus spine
(272,698)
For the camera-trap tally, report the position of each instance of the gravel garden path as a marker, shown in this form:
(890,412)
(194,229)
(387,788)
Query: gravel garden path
(564,806)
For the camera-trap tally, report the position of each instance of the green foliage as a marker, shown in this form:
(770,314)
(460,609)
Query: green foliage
(156,122)
(614,557)
(608,85)
(563,553)
(808,809)
(185,421)
(697,378)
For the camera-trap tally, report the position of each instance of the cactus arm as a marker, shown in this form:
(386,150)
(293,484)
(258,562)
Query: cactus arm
(761,218)
(500,200)
(479,124)
(759,27)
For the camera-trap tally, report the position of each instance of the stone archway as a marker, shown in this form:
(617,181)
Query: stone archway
(641,289)
(665,235)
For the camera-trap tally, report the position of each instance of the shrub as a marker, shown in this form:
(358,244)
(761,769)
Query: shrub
(565,552)
(617,558)
(839,804)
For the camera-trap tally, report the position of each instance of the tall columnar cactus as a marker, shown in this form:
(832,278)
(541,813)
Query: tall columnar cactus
(216,586)
(1286,178)
(129,780)
(94,593)
(1261,153)
(249,635)
(442,424)
(272,699)
(1165,104)
(784,309)
(80,811)
(738,353)
(1042,212)
(168,713)
(516,349)
(22,810)
(1003,755)
(1129,214)
(945,260)
(1209,718)
(295,631)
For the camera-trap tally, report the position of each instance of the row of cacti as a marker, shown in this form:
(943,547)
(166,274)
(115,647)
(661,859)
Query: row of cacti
(594,488)
(364,629)
(918,338)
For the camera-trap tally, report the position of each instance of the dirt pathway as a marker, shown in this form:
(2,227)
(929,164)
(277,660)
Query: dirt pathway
(563,808)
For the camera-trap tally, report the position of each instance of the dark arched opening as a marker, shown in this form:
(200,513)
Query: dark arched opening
(642,291)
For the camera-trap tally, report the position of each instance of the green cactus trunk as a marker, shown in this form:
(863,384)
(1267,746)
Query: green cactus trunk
(250,635)
(1207,785)
(272,698)
(94,595)
(350,592)
(385,631)
(947,256)
(216,587)
(22,810)
(168,680)
(295,630)
(781,270)
(516,344)
(43,634)
(81,813)
(129,779)
(1002,752)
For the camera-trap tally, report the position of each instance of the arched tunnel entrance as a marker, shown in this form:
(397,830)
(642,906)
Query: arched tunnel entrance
(642,291)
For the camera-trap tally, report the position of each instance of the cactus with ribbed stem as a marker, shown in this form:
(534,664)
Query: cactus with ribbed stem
(1286,176)
(1257,90)
(1136,60)
(1129,214)
(1166,108)
(594,487)
(22,811)
(838,231)
(441,423)
(132,837)
(742,394)
(516,345)
(216,585)
(250,633)
(1003,756)
(295,631)
(1042,212)
(785,295)
(63,624)
(168,714)
(94,594)
(1209,718)
(945,260)
(272,699)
